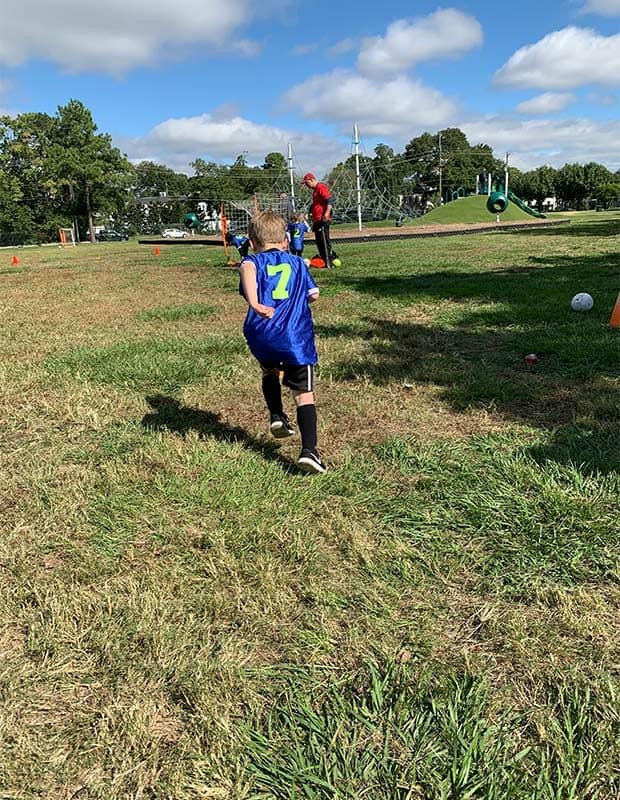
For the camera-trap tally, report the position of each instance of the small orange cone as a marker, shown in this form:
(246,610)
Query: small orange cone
(15,261)
(614,321)
(157,251)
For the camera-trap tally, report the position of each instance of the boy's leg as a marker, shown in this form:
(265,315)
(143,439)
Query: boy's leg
(306,419)
(272,390)
(300,379)
(279,424)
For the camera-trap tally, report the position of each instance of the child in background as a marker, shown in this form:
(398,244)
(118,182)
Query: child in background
(242,243)
(295,231)
(279,330)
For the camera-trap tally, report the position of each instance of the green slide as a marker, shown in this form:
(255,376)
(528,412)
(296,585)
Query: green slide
(524,206)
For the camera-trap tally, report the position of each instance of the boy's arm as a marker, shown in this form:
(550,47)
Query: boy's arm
(312,290)
(247,273)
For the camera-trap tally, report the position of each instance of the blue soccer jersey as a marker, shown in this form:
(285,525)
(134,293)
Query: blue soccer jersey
(284,282)
(296,232)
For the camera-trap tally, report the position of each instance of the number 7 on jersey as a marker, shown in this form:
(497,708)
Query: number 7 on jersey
(284,270)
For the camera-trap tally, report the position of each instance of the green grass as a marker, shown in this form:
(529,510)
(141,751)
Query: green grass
(183,615)
(400,733)
(162,364)
(173,313)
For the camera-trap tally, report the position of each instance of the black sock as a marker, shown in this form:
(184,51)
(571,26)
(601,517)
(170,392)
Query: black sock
(306,419)
(272,392)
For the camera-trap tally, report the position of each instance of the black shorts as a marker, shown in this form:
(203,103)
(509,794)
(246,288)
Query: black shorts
(298,377)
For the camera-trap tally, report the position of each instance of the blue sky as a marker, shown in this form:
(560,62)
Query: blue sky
(214,79)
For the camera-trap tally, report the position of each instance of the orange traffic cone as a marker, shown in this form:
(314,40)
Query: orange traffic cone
(614,321)
(157,251)
(15,261)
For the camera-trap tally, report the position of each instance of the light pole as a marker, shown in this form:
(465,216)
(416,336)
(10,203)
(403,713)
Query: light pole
(440,174)
(506,175)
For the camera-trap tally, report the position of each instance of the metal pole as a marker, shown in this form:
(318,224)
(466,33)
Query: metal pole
(506,176)
(357,177)
(440,174)
(290,174)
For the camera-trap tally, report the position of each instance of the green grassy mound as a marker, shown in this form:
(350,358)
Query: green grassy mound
(468,210)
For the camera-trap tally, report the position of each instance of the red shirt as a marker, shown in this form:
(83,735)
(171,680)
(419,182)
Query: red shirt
(321,198)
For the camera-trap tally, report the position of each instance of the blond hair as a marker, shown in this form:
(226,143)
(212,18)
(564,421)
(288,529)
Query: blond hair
(267,228)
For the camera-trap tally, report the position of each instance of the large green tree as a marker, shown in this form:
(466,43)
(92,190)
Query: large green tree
(155,180)
(537,184)
(95,176)
(161,198)
(422,156)
(25,147)
(571,187)
(460,161)
(16,221)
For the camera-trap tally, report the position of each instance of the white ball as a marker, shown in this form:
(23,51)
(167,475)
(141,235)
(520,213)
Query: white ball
(307,262)
(582,302)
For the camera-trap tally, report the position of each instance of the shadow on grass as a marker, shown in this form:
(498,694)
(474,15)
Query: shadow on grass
(577,227)
(539,290)
(573,399)
(169,415)
(475,351)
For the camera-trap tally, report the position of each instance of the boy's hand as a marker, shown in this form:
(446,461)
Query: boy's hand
(266,312)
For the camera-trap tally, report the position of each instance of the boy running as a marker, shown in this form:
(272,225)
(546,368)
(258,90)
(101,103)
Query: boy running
(279,330)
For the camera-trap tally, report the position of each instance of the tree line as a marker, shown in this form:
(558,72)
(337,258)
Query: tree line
(59,171)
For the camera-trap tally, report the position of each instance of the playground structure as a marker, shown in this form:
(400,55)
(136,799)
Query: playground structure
(498,197)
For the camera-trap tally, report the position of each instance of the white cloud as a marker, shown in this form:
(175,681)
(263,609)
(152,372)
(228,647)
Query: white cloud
(116,37)
(447,33)
(341,47)
(533,143)
(305,49)
(391,107)
(602,99)
(179,141)
(564,60)
(546,103)
(606,8)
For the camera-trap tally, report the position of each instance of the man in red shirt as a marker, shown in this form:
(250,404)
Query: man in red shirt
(321,213)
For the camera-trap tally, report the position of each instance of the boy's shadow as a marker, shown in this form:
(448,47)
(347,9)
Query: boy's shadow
(168,414)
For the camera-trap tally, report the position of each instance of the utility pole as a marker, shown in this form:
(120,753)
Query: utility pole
(440,174)
(291,174)
(357,177)
(506,175)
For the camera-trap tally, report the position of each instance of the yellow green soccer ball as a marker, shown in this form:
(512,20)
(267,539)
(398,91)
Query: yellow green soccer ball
(336,262)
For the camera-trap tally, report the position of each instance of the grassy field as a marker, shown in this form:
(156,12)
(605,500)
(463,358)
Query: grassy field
(184,616)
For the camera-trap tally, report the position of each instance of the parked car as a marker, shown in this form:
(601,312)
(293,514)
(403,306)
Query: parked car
(111,236)
(174,233)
